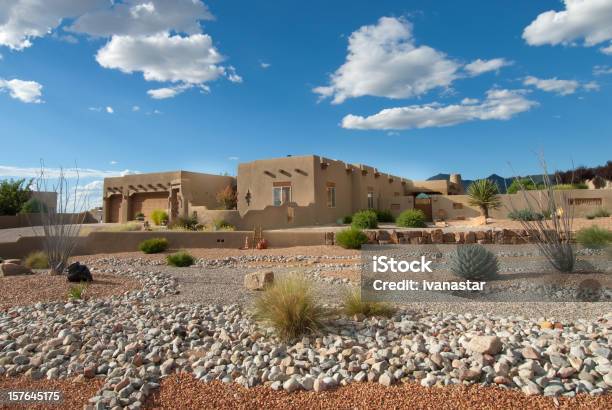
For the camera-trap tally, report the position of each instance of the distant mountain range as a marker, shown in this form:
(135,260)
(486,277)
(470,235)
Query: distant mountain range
(502,183)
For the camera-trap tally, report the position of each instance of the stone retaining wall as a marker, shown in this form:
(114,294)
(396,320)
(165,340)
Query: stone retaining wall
(438,236)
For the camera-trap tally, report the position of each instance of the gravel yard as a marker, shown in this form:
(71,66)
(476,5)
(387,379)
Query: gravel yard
(42,287)
(186,392)
(190,329)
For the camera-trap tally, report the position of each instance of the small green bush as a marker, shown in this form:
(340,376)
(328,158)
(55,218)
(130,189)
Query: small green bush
(351,238)
(33,206)
(474,262)
(384,216)
(411,218)
(525,215)
(77,291)
(365,220)
(221,225)
(523,183)
(347,220)
(598,213)
(594,237)
(159,217)
(37,260)
(153,245)
(353,304)
(290,307)
(189,223)
(180,259)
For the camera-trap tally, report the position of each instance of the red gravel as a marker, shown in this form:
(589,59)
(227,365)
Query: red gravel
(183,391)
(75,394)
(43,287)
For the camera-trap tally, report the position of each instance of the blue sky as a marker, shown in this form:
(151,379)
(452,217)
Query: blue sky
(413,88)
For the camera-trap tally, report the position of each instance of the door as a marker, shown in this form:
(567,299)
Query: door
(114,208)
(423,202)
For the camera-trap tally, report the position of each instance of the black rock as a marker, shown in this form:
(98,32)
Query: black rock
(78,273)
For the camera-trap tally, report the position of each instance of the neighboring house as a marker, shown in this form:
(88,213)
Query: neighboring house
(289,191)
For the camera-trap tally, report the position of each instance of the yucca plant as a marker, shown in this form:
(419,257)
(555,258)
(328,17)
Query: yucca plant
(484,194)
(474,262)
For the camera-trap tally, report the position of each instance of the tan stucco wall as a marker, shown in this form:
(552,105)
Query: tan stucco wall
(445,203)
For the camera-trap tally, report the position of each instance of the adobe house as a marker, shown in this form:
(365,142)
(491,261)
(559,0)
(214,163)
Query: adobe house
(289,191)
(180,193)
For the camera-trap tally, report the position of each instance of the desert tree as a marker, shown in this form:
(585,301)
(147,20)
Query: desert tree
(13,195)
(61,225)
(553,230)
(227,198)
(484,194)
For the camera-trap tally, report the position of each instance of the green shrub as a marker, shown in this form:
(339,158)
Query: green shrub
(180,259)
(352,304)
(153,245)
(33,206)
(474,262)
(594,237)
(580,185)
(525,215)
(523,183)
(189,223)
(221,225)
(411,218)
(159,217)
(77,291)
(598,213)
(384,216)
(37,260)
(347,220)
(365,220)
(351,238)
(290,307)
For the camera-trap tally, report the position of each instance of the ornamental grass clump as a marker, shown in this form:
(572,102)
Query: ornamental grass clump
(594,237)
(365,220)
(474,262)
(180,259)
(153,245)
(291,308)
(37,260)
(353,304)
(77,292)
(351,238)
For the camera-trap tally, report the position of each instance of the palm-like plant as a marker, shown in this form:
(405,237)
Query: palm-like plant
(484,193)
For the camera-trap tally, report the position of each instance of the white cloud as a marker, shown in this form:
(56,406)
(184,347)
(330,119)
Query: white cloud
(582,20)
(187,60)
(607,50)
(143,18)
(1,56)
(264,65)
(33,172)
(135,108)
(561,87)
(383,60)
(498,105)
(21,21)
(109,110)
(25,91)
(233,158)
(113,162)
(479,66)
(602,70)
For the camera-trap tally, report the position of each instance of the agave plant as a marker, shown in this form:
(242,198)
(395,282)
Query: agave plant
(474,262)
(484,194)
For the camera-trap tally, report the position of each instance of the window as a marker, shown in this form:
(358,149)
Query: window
(331,196)
(395,207)
(281,195)
(457,205)
(370,200)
